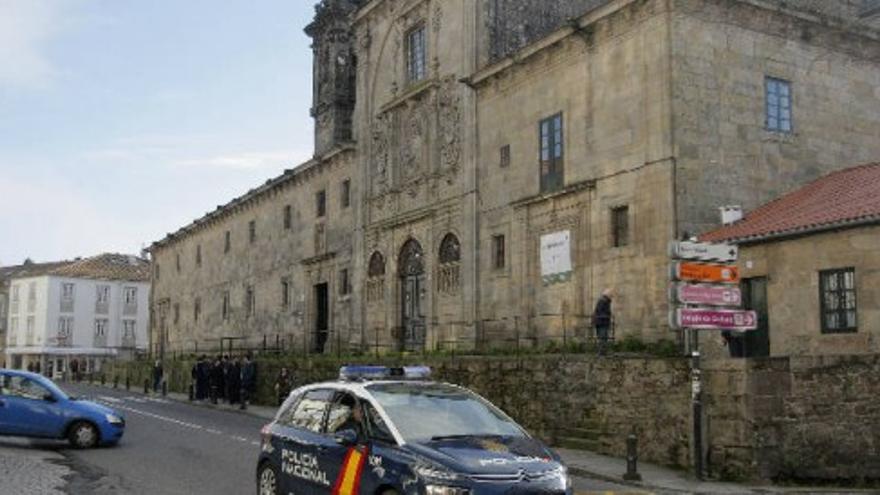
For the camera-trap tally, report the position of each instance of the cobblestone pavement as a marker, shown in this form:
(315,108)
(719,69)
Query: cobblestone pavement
(27,471)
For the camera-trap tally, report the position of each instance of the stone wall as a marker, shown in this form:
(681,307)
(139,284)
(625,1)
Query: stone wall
(309,250)
(722,53)
(807,419)
(572,400)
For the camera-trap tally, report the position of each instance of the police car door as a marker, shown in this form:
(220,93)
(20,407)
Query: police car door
(301,470)
(345,459)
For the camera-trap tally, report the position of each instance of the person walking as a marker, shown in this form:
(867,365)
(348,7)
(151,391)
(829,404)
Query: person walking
(233,380)
(602,319)
(248,380)
(157,376)
(203,380)
(217,382)
(283,384)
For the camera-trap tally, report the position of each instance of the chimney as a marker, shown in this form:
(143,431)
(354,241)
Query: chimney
(731,214)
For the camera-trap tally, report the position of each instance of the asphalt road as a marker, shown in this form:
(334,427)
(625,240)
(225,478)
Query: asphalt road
(169,448)
(176,448)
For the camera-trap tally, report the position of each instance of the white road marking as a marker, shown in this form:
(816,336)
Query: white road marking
(110,399)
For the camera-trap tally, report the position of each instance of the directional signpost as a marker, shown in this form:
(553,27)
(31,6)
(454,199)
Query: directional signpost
(703,272)
(716,319)
(701,251)
(703,275)
(710,295)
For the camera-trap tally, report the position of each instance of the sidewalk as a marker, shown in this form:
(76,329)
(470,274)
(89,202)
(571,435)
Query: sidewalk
(666,480)
(27,471)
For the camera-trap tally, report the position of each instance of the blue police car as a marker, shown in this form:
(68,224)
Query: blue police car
(32,406)
(388,431)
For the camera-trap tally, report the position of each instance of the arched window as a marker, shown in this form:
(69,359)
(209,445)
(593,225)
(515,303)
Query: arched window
(411,262)
(448,277)
(377,265)
(450,250)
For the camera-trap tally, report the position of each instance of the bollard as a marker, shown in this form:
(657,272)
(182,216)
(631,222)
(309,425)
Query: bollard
(192,394)
(632,458)
(146,386)
(127,383)
(164,388)
(115,381)
(103,379)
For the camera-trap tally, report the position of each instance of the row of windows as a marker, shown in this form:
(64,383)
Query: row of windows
(250,298)
(551,138)
(65,326)
(102,294)
(287,223)
(837,292)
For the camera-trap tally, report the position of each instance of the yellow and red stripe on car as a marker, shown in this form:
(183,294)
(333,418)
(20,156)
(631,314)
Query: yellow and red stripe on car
(349,480)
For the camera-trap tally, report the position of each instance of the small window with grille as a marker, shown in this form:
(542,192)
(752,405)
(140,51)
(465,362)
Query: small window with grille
(620,226)
(837,293)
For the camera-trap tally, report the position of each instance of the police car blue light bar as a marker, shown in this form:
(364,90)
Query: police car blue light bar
(362,372)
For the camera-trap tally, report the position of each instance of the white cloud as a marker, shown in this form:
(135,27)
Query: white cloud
(26,26)
(249,160)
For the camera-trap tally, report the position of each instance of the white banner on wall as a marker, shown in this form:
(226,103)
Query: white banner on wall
(556,257)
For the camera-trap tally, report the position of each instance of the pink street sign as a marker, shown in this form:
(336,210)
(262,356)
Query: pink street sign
(716,319)
(709,295)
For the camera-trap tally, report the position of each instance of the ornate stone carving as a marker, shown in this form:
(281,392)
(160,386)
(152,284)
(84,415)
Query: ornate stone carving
(449,113)
(413,142)
(437,18)
(379,157)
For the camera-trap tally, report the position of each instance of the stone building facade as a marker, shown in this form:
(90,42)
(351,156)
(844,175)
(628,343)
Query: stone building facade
(483,169)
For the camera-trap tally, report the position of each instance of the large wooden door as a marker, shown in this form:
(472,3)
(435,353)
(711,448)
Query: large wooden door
(412,284)
(322,317)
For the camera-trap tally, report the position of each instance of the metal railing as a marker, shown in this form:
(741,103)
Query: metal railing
(545,332)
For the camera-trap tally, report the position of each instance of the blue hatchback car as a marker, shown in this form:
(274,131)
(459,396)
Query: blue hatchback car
(387,431)
(32,406)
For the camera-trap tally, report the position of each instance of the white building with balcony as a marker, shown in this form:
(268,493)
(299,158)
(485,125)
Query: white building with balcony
(79,314)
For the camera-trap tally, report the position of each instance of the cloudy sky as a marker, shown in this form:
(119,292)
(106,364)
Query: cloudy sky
(121,120)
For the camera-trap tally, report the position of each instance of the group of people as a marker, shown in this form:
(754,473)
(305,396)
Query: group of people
(231,379)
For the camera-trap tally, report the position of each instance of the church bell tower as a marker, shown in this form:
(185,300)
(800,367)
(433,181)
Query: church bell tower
(334,71)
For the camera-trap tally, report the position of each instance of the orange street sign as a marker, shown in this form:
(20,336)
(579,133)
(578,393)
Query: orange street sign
(697,272)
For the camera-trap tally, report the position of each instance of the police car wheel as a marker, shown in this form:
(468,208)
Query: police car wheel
(267,481)
(83,436)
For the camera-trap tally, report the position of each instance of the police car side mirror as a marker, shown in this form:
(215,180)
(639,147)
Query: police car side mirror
(49,398)
(346,437)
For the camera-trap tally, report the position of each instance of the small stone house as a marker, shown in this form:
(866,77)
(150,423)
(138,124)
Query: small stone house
(810,264)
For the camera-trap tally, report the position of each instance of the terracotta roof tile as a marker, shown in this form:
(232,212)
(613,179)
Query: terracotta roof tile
(107,267)
(838,199)
(30,269)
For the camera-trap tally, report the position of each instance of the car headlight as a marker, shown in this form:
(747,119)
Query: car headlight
(445,490)
(114,419)
(431,473)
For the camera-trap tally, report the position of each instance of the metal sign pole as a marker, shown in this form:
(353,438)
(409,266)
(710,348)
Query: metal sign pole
(697,403)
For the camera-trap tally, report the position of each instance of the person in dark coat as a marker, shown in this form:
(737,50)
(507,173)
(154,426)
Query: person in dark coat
(233,381)
(602,319)
(283,384)
(217,380)
(157,376)
(203,380)
(248,380)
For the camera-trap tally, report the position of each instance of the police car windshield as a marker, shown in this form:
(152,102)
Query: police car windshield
(422,412)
